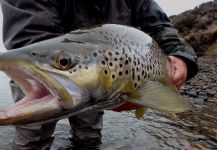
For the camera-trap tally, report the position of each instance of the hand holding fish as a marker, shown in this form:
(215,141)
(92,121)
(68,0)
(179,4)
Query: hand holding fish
(178,70)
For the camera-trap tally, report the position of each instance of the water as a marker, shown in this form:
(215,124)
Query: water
(194,130)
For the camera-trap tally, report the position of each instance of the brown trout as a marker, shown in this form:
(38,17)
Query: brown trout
(87,70)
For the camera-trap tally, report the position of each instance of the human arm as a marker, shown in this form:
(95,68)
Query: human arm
(152,19)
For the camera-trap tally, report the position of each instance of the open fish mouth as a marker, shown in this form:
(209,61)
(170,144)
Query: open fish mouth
(45,98)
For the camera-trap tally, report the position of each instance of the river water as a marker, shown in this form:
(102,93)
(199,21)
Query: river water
(194,130)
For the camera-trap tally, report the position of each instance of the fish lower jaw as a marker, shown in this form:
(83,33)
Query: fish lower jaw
(27,111)
(39,97)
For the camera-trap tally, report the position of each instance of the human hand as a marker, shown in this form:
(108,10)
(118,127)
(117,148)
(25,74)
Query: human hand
(177,70)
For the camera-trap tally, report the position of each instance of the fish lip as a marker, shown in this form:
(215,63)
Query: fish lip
(23,74)
(28,71)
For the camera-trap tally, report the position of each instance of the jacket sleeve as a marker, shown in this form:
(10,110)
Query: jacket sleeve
(153,20)
(29,21)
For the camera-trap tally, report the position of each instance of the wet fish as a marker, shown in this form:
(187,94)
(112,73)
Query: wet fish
(86,70)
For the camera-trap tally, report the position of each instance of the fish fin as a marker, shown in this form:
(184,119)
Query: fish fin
(157,96)
(139,113)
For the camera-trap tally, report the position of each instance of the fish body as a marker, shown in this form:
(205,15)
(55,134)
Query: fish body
(86,70)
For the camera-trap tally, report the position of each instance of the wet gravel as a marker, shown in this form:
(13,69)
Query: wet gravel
(195,129)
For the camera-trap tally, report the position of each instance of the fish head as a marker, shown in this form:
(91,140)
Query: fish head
(55,79)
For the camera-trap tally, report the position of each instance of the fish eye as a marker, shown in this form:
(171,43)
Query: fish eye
(63,62)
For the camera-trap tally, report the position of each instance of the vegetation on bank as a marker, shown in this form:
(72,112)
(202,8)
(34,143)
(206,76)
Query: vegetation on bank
(199,27)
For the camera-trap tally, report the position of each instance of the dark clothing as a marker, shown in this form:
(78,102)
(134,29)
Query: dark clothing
(29,21)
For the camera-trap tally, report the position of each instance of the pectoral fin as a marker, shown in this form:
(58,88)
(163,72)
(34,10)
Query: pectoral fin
(139,113)
(157,96)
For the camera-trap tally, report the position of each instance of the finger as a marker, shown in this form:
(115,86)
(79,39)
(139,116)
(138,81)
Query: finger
(179,71)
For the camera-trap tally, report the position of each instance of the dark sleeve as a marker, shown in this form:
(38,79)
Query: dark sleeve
(153,20)
(29,21)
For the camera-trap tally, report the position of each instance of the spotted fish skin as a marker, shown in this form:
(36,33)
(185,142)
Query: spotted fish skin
(124,54)
(133,57)
(128,60)
(86,70)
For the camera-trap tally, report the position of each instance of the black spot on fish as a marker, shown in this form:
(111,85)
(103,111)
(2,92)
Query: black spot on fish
(133,73)
(127,72)
(105,71)
(110,53)
(110,64)
(115,41)
(106,58)
(33,54)
(80,66)
(86,67)
(135,85)
(117,53)
(138,78)
(115,59)
(103,62)
(123,50)
(74,70)
(120,73)
(106,37)
(138,60)
(145,76)
(70,72)
(143,72)
(113,76)
(120,65)
(126,62)
(94,54)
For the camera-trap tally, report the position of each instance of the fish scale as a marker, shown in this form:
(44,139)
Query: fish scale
(87,70)
(130,50)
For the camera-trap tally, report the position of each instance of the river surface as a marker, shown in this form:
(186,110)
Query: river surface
(194,130)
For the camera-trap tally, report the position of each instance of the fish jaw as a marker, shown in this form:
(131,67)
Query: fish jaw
(45,98)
